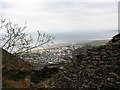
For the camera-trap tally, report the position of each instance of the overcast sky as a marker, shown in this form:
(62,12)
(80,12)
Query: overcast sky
(62,16)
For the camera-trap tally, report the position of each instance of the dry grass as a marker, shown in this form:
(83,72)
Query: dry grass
(24,83)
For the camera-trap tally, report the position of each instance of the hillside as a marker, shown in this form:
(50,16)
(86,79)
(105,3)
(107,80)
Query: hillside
(13,62)
(98,68)
(95,68)
(14,71)
(17,73)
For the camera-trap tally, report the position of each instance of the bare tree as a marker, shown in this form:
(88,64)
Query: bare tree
(15,40)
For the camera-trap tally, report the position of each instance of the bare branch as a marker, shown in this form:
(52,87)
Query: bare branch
(15,40)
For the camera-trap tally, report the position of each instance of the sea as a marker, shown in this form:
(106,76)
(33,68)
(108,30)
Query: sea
(68,38)
(84,35)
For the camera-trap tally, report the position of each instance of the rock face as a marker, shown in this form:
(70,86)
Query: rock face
(97,68)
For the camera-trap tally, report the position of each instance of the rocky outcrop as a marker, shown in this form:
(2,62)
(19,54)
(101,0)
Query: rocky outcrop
(115,40)
(96,68)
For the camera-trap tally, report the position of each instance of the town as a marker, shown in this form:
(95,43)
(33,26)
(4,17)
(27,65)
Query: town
(50,55)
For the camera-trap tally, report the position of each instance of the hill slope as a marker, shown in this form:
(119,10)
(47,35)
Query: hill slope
(97,68)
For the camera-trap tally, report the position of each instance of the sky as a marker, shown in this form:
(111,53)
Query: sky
(62,16)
